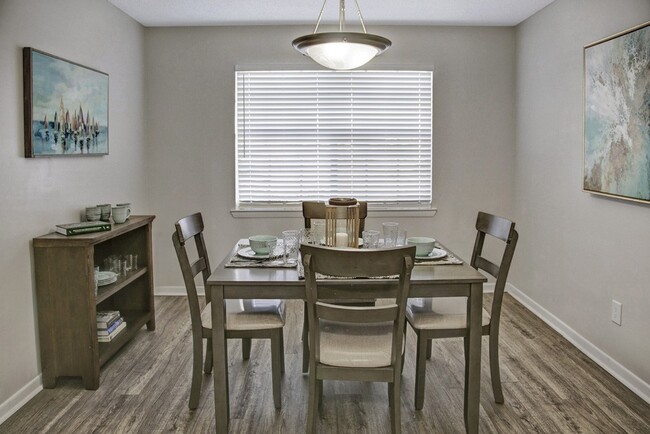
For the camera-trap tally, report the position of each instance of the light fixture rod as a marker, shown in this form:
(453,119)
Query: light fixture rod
(320,16)
(363,26)
(341,15)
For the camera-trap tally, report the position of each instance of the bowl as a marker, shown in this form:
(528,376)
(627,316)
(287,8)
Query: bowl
(423,245)
(263,244)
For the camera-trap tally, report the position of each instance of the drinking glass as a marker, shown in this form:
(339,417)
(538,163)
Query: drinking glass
(401,238)
(370,239)
(318,228)
(390,233)
(291,241)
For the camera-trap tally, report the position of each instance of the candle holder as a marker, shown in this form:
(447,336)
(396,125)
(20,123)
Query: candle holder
(342,222)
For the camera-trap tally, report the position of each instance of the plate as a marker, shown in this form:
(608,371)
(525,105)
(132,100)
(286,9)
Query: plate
(248,253)
(435,254)
(106,278)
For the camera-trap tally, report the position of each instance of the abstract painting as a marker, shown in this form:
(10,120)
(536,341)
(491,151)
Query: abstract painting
(66,107)
(617,115)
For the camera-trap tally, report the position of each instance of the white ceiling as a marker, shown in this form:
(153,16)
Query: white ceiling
(155,13)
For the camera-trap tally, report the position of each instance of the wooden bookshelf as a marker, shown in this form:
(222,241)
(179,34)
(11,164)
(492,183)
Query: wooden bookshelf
(67,303)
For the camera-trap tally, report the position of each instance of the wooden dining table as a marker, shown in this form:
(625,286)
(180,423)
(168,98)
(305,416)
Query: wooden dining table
(285,283)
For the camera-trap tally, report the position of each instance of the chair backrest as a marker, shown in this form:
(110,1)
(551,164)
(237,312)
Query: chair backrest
(316,210)
(187,228)
(354,263)
(504,230)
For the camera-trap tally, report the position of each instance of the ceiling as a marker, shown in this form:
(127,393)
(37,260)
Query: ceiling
(156,13)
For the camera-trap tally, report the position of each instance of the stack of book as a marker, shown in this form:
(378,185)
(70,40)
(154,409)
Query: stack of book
(109,325)
(82,228)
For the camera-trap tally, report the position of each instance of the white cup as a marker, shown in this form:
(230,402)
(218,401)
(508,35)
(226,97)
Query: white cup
(120,214)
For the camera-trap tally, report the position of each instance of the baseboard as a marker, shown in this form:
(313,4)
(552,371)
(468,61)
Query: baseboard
(620,372)
(20,398)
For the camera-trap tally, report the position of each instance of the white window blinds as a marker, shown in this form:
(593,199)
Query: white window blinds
(312,135)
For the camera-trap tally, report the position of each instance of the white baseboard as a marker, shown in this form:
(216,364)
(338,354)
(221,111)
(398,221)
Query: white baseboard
(20,398)
(620,372)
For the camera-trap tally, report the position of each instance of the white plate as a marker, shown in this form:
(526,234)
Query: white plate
(435,254)
(248,253)
(106,278)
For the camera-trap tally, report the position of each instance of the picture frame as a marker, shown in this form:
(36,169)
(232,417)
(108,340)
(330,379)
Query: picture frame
(65,107)
(616,115)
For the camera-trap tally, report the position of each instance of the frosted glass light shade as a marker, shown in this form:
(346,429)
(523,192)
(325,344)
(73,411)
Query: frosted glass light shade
(341,50)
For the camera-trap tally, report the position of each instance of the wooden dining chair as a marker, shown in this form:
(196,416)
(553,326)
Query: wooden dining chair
(355,343)
(314,210)
(245,319)
(434,318)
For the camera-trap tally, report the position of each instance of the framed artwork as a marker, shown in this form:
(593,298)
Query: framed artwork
(66,107)
(617,115)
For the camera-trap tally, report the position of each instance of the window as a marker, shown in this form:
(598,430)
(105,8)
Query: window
(312,135)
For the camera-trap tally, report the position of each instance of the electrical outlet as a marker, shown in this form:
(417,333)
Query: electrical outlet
(617,312)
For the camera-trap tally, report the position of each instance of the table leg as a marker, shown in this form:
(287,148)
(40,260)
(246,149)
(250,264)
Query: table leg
(473,358)
(220,356)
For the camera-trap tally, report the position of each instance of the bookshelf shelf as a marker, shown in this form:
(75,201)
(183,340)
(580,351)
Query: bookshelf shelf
(67,304)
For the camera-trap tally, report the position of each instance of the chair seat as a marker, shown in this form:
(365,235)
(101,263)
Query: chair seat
(249,314)
(355,345)
(440,313)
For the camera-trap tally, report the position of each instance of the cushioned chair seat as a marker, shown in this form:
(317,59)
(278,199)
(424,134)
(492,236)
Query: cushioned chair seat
(440,314)
(249,314)
(355,345)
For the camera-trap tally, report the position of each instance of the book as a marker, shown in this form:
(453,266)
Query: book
(82,228)
(111,327)
(106,317)
(113,334)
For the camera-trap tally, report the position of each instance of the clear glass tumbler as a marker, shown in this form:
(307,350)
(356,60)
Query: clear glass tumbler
(391,230)
(401,238)
(291,241)
(370,239)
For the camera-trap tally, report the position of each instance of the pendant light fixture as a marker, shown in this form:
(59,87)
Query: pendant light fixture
(341,50)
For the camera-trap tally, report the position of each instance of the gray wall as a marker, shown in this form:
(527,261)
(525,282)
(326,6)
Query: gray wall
(36,194)
(577,251)
(190,118)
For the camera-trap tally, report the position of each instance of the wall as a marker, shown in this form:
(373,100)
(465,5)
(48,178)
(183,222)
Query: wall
(577,251)
(36,194)
(190,108)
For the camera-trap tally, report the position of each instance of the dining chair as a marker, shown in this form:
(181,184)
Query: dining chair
(435,318)
(315,210)
(355,343)
(245,319)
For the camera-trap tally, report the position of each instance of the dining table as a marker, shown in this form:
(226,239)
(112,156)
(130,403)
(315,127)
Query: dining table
(427,280)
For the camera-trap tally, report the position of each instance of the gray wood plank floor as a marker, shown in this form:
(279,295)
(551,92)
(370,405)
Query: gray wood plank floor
(549,387)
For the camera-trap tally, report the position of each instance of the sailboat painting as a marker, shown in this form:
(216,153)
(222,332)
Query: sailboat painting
(66,107)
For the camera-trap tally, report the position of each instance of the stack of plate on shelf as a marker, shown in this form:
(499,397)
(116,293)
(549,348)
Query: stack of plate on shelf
(106,278)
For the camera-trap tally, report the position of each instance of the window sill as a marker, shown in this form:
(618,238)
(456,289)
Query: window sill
(297,212)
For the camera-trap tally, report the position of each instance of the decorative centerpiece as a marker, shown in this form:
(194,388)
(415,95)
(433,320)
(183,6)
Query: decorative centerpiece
(342,222)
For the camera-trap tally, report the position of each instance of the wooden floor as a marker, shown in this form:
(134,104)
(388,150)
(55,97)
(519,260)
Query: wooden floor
(549,387)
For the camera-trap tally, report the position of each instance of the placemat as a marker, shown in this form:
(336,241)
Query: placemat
(237,261)
(450,259)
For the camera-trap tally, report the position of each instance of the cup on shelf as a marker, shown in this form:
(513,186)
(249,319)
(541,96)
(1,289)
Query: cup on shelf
(93,213)
(120,214)
(105,212)
(391,229)
(128,205)
(291,241)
